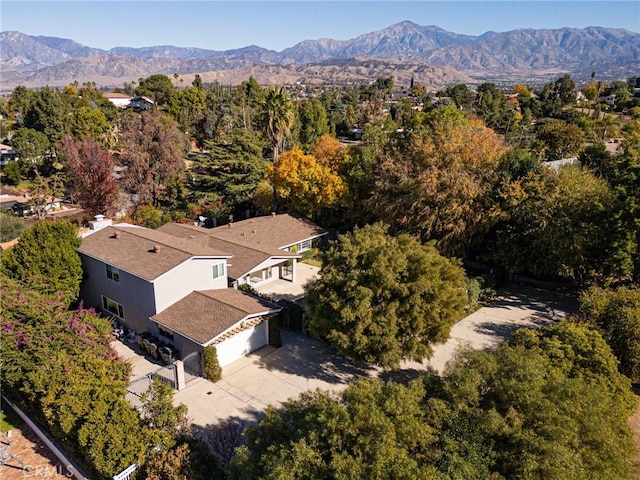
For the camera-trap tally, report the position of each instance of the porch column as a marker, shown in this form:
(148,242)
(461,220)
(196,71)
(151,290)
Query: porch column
(293,272)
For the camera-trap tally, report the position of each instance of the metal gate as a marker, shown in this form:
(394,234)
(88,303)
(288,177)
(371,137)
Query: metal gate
(192,367)
(138,387)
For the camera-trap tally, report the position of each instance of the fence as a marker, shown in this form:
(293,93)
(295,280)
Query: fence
(126,473)
(140,386)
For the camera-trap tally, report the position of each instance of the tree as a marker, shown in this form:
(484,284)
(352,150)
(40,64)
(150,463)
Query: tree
(49,114)
(381,299)
(59,367)
(153,150)
(616,314)
(547,404)
(167,421)
(303,184)
(234,169)
(313,120)
(561,139)
(435,183)
(550,403)
(11,173)
(89,122)
(32,146)
(278,115)
(371,430)
(12,226)
(329,151)
(46,258)
(554,224)
(90,175)
(158,87)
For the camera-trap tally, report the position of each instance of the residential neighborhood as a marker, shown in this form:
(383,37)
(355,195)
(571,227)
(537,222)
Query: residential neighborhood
(372,279)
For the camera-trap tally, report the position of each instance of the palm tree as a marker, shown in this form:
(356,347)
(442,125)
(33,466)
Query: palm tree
(279,117)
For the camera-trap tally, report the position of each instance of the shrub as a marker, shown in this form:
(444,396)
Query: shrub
(212,368)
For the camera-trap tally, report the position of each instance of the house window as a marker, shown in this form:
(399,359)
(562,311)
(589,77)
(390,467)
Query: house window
(218,270)
(165,332)
(113,307)
(306,245)
(113,273)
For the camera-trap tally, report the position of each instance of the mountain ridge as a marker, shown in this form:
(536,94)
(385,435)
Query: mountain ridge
(39,60)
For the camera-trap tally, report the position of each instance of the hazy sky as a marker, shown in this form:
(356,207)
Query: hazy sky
(280,24)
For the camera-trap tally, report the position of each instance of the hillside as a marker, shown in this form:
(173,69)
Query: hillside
(403,50)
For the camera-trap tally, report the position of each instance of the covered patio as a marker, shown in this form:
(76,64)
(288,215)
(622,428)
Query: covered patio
(284,289)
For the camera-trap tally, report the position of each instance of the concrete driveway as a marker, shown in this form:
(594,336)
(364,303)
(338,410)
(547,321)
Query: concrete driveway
(272,376)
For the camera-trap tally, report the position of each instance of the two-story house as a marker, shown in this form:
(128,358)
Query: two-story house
(173,282)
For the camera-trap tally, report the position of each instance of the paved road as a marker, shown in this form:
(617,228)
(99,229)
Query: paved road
(272,376)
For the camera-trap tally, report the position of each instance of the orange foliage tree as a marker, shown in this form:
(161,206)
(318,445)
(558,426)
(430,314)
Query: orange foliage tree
(304,184)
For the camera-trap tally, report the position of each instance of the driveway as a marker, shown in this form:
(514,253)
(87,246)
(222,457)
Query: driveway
(272,376)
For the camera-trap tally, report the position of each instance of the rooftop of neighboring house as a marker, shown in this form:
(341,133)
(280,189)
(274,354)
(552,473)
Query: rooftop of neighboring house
(6,149)
(143,252)
(204,315)
(116,95)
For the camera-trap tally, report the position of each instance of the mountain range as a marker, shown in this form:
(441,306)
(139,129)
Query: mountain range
(429,54)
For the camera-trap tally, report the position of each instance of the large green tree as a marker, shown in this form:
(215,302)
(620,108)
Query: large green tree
(46,258)
(616,313)
(381,299)
(548,404)
(560,139)
(233,170)
(372,430)
(158,87)
(554,224)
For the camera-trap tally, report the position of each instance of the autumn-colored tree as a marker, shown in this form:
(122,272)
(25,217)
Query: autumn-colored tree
(90,175)
(303,184)
(328,151)
(436,184)
(153,150)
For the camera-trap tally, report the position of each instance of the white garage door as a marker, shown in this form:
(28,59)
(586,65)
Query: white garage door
(242,344)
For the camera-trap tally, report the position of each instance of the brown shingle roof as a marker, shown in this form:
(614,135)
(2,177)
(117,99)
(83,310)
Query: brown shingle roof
(246,256)
(271,231)
(134,250)
(204,315)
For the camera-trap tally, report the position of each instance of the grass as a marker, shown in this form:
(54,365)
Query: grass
(312,261)
(9,419)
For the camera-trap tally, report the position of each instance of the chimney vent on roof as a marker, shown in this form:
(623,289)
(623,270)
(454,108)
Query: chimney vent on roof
(273,214)
(116,234)
(156,248)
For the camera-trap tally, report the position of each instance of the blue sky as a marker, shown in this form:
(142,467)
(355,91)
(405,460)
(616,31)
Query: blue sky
(280,24)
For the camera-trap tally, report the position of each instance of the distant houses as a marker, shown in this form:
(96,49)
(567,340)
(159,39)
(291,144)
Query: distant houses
(121,100)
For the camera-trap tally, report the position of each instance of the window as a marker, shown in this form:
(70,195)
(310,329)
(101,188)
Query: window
(306,245)
(165,332)
(113,273)
(112,307)
(218,270)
